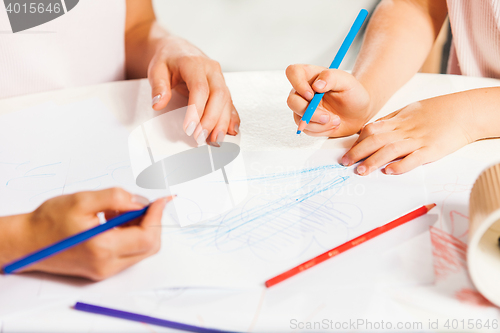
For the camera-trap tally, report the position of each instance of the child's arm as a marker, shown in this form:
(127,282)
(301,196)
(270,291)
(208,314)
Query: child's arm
(399,36)
(66,215)
(172,62)
(427,130)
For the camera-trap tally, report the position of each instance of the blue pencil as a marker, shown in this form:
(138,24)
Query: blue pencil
(72,241)
(306,118)
(141,318)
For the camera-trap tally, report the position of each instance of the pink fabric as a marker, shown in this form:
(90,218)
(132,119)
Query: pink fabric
(475,26)
(82,47)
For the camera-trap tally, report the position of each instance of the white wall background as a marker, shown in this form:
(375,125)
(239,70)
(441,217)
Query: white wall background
(247,35)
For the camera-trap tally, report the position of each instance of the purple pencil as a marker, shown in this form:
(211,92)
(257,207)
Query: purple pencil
(141,318)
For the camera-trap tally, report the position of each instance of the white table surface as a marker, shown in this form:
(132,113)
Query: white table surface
(448,182)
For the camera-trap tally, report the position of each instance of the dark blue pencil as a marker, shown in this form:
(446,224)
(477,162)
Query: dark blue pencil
(356,26)
(142,318)
(73,240)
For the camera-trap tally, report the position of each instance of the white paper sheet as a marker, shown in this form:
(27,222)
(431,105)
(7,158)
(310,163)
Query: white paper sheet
(301,212)
(301,203)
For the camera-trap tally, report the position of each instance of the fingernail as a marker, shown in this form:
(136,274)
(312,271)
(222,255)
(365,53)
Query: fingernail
(169,198)
(320,84)
(236,128)
(220,137)
(139,199)
(336,121)
(361,169)
(389,171)
(156,99)
(214,144)
(190,129)
(345,161)
(308,95)
(324,119)
(202,138)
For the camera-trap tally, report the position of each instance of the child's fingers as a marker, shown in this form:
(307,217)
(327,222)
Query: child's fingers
(386,154)
(313,127)
(159,79)
(299,77)
(368,146)
(333,80)
(298,105)
(410,162)
(377,127)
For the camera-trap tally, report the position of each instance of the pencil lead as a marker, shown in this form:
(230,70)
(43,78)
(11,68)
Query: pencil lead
(298,132)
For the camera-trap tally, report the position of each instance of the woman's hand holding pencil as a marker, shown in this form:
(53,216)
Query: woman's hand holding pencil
(102,255)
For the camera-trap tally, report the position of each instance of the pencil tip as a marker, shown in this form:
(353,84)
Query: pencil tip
(429,207)
(298,132)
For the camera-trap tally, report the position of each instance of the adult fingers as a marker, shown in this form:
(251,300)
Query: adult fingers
(218,98)
(160,80)
(99,270)
(221,129)
(410,162)
(386,154)
(194,75)
(145,236)
(234,122)
(111,199)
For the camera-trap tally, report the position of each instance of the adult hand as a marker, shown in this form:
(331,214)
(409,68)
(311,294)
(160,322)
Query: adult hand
(103,255)
(179,65)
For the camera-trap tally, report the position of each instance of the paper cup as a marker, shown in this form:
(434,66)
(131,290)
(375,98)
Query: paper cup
(483,254)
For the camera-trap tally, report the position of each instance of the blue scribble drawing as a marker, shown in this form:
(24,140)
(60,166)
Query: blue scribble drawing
(284,214)
(42,171)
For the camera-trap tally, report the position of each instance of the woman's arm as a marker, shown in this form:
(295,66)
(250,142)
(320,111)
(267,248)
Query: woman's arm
(63,216)
(171,62)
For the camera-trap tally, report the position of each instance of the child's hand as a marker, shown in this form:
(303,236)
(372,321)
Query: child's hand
(178,64)
(345,107)
(420,133)
(103,255)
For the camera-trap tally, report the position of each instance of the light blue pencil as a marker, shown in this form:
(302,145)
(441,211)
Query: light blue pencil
(356,26)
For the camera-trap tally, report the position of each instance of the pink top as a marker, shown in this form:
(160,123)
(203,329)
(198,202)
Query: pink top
(475,25)
(82,47)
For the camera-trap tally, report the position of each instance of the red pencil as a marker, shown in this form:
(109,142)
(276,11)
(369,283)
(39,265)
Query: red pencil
(349,245)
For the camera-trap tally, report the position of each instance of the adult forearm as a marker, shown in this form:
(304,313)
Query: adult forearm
(141,43)
(13,237)
(398,39)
